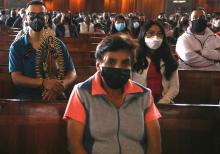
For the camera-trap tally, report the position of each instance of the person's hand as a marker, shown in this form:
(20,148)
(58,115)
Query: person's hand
(217,48)
(54,85)
(49,95)
(198,51)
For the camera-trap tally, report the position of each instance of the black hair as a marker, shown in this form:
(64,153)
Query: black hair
(134,31)
(114,43)
(35,2)
(162,53)
(113,29)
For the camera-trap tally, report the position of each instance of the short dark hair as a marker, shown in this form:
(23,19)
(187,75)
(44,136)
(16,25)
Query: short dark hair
(115,42)
(35,2)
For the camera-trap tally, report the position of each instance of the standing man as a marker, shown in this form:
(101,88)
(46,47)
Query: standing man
(109,113)
(37,70)
(198,46)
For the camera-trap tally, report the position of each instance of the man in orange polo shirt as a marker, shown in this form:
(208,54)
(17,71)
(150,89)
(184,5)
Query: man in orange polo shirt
(110,114)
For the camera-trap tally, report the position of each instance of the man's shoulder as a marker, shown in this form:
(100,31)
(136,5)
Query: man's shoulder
(87,84)
(60,42)
(185,37)
(19,42)
(145,89)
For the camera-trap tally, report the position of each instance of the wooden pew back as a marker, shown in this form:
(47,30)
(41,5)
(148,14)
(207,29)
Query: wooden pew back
(7,89)
(37,127)
(32,128)
(190,129)
(199,86)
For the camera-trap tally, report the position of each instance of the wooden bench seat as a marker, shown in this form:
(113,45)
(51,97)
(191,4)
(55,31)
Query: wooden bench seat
(4,56)
(190,129)
(7,89)
(199,86)
(3,68)
(37,127)
(195,86)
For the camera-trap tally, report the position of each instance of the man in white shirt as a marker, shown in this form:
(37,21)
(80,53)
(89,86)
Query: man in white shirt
(198,46)
(87,26)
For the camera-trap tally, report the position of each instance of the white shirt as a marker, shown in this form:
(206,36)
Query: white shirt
(67,31)
(198,50)
(84,28)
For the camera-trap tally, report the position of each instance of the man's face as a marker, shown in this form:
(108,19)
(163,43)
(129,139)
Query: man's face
(118,59)
(198,14)
(198,22)
(35,10)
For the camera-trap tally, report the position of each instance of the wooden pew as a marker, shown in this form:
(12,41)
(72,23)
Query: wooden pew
(190,129)
(199,86)
(7,89)
(3,68)
(4,56)
(83,58)
(37,127)
(32,127)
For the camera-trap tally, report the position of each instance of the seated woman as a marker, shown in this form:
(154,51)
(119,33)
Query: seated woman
(119,25)
(134,26)
(109,113)
(155,67)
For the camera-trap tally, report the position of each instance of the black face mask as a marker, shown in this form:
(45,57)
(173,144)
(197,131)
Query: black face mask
(115,78)
(37,24)
(199,25)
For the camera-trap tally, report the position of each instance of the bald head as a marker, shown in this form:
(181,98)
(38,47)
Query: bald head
(198,14)
(198,22)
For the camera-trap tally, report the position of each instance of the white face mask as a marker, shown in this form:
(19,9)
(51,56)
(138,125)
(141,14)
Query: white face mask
(153,42)
(136,24)
(22,15)
(217,23)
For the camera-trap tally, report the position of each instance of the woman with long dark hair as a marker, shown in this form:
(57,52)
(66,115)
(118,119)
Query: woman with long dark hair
(119,25)
(155,67)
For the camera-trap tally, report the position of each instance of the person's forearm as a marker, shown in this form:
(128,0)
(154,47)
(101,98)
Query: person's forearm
(77,149)
(19,79)
(153,149)
(69,78)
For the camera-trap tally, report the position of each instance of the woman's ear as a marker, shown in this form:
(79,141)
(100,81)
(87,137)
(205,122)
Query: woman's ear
(46,18)
(98,65)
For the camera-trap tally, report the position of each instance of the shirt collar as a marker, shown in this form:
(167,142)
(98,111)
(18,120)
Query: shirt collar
(26,39)
(97,89)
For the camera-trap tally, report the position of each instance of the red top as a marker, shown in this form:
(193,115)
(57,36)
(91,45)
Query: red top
(218,33)
(154,80)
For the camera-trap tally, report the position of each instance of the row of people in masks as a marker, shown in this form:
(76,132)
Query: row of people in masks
(199,46)
(108,92)
(156,68)
(178,23)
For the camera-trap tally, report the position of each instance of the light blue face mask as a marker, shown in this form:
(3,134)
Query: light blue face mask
(119,26)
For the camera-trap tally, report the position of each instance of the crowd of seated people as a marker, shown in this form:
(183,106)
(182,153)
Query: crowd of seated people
(179,29)
(135,48)
(174,25)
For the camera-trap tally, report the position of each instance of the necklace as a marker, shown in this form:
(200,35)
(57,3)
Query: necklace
(49,54)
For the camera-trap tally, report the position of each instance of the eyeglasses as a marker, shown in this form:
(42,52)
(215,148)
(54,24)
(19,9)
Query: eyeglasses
(151,34)
(34,14)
